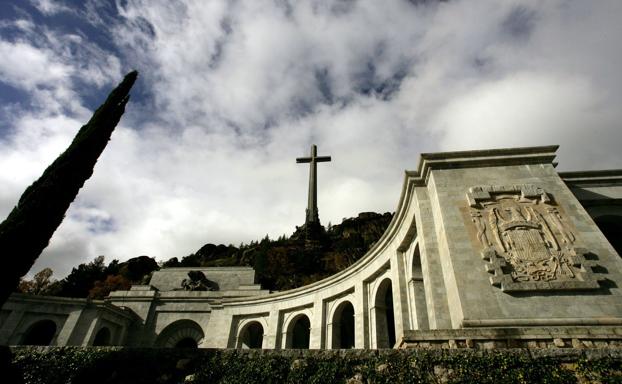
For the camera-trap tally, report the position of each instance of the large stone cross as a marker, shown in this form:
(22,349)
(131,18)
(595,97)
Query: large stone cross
(312,212)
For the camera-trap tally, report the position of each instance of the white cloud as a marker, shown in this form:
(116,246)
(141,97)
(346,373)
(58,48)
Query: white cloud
(534,109)
(50,7)
(41,66)
(235,91)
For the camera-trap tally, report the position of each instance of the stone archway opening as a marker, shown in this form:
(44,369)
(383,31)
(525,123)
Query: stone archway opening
(102,338)
(611,227)
(40,333)
(299,332)
(187,342)
(181,334)
(251,336)
(384,315)
(343,326)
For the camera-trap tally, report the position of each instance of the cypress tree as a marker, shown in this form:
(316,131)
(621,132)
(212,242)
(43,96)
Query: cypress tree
(40,210)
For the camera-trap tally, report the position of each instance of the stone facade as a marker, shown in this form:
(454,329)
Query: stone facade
(487,249)
(44,320)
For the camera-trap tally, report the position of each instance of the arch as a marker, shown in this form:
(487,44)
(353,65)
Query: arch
(384,316)
(251,336)
(298,332)
(181,334)
(343,326)
(41,332)
(102,338)
(416,289)
(611,227)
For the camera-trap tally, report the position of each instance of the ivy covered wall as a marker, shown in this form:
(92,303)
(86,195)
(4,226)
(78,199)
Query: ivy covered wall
(133,365)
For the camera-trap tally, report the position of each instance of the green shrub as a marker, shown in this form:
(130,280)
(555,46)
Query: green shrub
(604,370)
(151,365)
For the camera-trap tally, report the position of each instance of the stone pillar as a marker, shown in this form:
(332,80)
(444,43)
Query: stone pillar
(317,337)
(435,293)
(10,328)
(361,323)
(399,289)
(90,334)
(419,305)
(284,338)
(271,333)
(378,326)
(418,314)
(329,334)
(64,336)
(120,335)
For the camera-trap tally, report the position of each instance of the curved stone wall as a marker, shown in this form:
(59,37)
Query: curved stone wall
(441,274)
(389,260)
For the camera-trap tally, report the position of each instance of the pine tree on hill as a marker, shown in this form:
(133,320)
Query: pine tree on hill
(41,209)
(289,262)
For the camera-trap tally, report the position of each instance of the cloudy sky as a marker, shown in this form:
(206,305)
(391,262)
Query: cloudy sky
(231,92)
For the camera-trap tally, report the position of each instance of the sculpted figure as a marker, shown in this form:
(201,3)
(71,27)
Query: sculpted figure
(197,281)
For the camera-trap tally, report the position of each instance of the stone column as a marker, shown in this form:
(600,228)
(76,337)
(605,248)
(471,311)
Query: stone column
(361,323)
(10,328)
(121,335)
(419,304)
(89,337)
(64,336)
(378,327)
(399,289)
(437,306)
(317,337)
(270,334)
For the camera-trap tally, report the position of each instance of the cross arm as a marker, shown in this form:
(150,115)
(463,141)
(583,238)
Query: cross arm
(303,160)
(320,159)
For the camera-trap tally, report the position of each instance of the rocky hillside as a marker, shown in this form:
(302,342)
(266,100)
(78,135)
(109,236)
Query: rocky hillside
(288,262)
(284,263)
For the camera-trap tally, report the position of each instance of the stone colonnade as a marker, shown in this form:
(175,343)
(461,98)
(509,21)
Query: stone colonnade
(368,305)
(438,274)
(44,320)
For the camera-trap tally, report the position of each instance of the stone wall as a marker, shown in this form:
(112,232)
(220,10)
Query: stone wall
(62,321)
(481,241)
(502,338)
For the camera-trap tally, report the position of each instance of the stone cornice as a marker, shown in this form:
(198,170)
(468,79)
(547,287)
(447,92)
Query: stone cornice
(212,269)
(609,176)
(79,302)
(23,297)
(480,158)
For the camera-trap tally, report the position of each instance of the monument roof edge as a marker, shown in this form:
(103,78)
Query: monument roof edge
(595,176)
(480,158)
(492,152)
(213,269)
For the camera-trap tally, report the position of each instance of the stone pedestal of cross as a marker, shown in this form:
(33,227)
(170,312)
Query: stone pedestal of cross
(313,217)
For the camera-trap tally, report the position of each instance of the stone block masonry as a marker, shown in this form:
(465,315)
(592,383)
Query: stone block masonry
(486,249)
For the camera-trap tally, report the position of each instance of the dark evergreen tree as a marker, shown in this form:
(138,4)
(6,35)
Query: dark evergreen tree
(83,277)
(40,210)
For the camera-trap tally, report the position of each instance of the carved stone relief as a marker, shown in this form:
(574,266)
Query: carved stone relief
(197,281)
(525,240)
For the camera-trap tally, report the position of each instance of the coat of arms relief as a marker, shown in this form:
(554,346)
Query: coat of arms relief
(526,241)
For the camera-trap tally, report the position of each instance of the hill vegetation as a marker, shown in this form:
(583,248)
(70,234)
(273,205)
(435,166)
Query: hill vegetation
(284,263)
